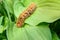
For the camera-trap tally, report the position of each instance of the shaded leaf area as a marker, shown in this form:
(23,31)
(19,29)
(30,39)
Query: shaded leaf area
(2,10)
(3,23)
(1,29)
(28,32)
(55,37)
(55,26)
(3,36)
(8,5)
(3,17)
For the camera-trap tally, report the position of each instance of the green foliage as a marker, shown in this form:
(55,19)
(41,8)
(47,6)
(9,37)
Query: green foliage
(55,37)
(28,32)
(3,36)
(39,26)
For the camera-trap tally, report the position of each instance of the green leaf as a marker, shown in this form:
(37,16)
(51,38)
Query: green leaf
(18,7)
(28,32)
(3,36)
(8,4)
(55,26)
(55,37)
(47,11)
(3,27)
(2,10)
(1,18)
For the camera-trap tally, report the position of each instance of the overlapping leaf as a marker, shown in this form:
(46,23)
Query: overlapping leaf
(47,11)
(28,32)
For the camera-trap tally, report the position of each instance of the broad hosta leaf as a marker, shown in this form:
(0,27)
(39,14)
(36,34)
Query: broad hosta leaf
(47,11)
(28,32)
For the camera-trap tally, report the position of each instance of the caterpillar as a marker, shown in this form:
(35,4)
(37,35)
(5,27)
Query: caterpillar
(25,14)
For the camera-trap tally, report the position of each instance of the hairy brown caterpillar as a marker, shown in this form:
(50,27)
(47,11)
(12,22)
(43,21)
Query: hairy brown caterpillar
(25,14)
